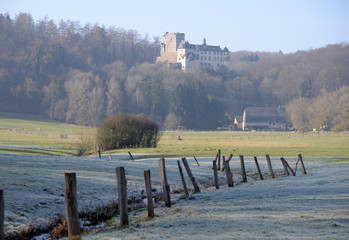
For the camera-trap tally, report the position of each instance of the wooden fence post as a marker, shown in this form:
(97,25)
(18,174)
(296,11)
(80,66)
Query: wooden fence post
(243,171)
(129,153)
(196,161)
(99,151)
(288,166)
(259,170)
(122,192)
(219,160)
(302,163)
(228,174)
(147,182)
(215,173)
(183,180)
(230,157)
(165,186)
(2,215)
(284,165)
(192,179)
(269,166)
(71,203)
(223,166)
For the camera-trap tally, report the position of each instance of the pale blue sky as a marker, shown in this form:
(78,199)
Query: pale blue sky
(256,25)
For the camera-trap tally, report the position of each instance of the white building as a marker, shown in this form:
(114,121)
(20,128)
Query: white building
(180,53)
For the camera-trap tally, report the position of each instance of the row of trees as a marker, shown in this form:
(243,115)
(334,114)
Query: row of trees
(329,111)
(84,74)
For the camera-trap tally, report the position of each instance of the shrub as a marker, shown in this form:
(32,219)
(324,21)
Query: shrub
(85,144)
(126,131)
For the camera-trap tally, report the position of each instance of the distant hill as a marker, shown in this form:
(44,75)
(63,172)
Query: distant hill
(83,74)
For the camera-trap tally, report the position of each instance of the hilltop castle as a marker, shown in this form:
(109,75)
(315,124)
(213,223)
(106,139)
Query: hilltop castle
(180,53)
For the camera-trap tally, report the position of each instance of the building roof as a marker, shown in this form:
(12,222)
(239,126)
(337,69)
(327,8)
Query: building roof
(265,114)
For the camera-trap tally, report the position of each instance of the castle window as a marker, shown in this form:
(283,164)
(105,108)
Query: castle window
(209,58)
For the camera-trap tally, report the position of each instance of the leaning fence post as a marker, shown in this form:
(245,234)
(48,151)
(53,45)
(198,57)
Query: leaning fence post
(269,166)
(122,191)
(243,171)
(284,165)
(215,174)
(71,204)
(197,162)
(302,163)
(288,166)
(192,179)
(2,215)
(259,170)
(129,153)
(230,157)
(147,182)
(228,174)
(182,178)
(165,186)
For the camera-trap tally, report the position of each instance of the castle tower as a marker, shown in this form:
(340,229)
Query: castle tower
(169,46)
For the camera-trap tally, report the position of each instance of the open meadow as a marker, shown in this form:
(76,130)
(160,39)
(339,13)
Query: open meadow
(32,136)
(35,154)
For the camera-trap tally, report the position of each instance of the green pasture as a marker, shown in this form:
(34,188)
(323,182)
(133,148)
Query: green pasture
(36,136)
(61,139)
(205,144)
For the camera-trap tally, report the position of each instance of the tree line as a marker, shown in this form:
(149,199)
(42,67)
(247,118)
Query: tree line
(84,74)
(329,111)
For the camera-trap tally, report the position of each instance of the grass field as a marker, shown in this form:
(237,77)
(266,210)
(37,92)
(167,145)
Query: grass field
(36,136)
(251,144)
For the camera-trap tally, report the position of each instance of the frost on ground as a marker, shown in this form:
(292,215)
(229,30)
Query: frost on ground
(313,206)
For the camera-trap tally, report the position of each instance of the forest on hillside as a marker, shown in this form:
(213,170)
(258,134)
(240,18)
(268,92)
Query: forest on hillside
(83,74)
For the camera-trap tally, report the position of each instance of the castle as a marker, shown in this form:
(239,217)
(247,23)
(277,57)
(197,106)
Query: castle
(180,53)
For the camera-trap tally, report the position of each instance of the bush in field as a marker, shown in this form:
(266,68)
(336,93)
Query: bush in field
(127,130)
(85,144)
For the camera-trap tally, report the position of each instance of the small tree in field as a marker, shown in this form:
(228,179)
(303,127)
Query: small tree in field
(127,130)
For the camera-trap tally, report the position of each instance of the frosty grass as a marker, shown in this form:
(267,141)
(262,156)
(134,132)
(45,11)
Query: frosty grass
(312,206)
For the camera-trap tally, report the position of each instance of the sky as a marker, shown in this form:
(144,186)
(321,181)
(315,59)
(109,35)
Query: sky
(253,25)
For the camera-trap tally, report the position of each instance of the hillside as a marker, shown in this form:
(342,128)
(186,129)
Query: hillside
(83,74)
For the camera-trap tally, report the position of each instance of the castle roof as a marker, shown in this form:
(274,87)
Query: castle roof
(204,47)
